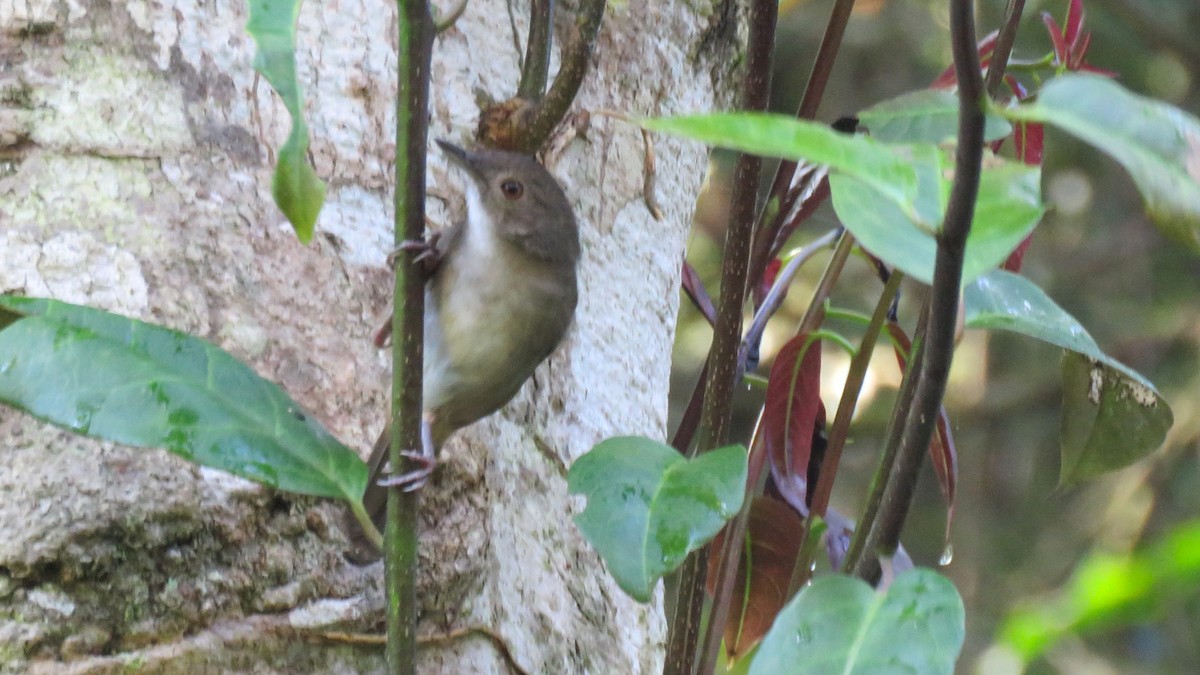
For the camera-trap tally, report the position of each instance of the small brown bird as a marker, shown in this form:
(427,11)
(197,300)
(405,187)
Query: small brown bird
(500,300)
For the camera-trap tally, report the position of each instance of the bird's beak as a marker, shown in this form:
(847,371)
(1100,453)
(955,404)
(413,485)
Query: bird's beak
(464,158)
(454,152)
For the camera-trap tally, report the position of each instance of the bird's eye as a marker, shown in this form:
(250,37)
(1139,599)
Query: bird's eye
(512,188)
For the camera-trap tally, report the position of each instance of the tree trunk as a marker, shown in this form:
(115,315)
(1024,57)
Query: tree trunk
(136,149)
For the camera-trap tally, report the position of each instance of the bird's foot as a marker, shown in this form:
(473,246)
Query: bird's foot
(425,460)
(425,252)
(411,481)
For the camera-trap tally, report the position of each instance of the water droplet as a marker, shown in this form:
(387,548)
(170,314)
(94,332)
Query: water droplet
(947,555)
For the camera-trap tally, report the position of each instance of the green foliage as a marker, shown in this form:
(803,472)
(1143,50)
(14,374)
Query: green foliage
(1108,590)
(1112,415)
(840,624)
(891,196)
(297,190)
(118,379)
(1008,208)
(925,116)
(648,506)
(1158,144)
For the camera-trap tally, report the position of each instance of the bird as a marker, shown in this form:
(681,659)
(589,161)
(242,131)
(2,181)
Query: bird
(500,298)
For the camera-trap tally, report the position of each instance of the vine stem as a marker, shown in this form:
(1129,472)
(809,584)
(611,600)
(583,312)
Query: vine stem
(916,411)
(716,413)
(1004,47)
(414,48)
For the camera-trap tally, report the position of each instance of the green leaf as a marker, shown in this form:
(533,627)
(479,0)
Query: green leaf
(1008,208)
(1112,416)
(925,116)
(648,506)
(296,188)
(1109,419)
(1158,144)
(115,378)
(874,163)
(892,197)
(839,624)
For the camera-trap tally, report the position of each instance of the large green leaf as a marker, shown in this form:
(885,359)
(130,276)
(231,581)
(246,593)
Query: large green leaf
(1008,208)
(1158,144)
(892,197)
(296,188)
(884,168)
(648,506)
(924,116)
(840,624)
(111,377)
(1112,415)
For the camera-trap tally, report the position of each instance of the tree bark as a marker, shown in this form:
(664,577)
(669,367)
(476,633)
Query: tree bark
(136,148)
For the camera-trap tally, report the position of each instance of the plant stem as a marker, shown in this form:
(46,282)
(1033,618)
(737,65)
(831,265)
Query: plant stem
(833,270)
(831,43)
(840,429)
(723,359)
(822,67)
(536,69)
(549,110)
(414,46)
(930,364)
(1004,46)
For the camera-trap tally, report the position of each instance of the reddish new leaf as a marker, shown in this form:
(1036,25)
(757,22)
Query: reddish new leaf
(986,46)
(1071,42)
(774,532)
(790,413)
(942,452)
(1061,50)
(1074,21)
(768,280)
(1017,257)
(694,287)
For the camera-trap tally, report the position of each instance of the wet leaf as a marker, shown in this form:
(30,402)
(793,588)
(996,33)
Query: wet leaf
(840,624)
(648,506)
(1112,415)
(118,379)
(297,190)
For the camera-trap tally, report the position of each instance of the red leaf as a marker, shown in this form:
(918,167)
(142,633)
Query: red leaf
(774,530)
(790,413)
(1028,137)
(1017,257)
(1015,86)
(986,46)
(942,452)
(1074,21)
(699,296)
(1061,52)
(768,280)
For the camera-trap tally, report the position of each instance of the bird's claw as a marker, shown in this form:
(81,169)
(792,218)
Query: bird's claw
(411,481)
(426,253)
